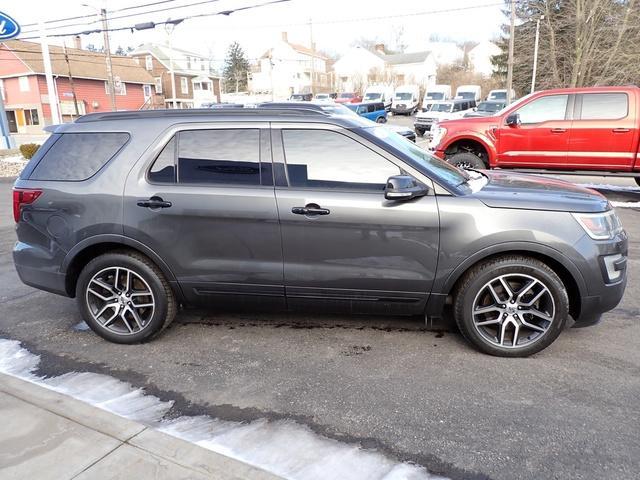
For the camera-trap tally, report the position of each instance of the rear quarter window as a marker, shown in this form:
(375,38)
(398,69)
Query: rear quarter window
(75,157)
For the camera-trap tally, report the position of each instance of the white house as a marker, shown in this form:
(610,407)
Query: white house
(480,57)
(287,68)
(361,67)
(445,53)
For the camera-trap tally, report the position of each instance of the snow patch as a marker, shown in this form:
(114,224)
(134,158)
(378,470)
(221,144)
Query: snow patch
(14,159)
(283,447)
(625,204)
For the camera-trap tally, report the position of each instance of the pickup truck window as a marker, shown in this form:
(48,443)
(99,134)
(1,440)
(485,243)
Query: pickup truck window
(544,109)
(604,106)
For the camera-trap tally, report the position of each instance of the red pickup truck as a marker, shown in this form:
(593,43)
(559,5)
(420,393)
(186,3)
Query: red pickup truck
(577,130)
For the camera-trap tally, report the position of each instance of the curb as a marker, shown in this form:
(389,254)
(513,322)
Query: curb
(133,434)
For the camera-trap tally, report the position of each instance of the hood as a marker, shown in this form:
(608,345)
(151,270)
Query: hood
(532,192)
(475,123)
(437,115)
(478,114)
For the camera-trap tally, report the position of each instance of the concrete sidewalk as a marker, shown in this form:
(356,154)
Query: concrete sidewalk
(45,434)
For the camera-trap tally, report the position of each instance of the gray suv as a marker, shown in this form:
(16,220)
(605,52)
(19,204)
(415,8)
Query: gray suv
(138,213)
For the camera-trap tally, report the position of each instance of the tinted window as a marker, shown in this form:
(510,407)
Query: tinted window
(78,156)
(552,107)
(219,156)
(325,159)
(163,169)
(603,106)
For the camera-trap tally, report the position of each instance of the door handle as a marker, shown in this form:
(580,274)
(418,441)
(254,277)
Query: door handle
(558,130)
(310,209)
(153,202)
(621,130)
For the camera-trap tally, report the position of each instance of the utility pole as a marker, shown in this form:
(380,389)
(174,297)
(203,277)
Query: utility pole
(107,48)
(512,31)
(535,55)
(169,27)
(313,53)
(73,90)
(51,88)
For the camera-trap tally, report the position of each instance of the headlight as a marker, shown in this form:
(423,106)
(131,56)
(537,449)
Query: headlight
(437,133)
(599,226)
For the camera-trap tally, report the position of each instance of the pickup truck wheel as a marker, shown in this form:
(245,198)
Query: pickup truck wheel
(124,297)
(466,160)
(511,306)
(419,132)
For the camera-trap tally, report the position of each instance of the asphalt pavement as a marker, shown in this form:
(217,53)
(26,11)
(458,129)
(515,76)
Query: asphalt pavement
(389,384)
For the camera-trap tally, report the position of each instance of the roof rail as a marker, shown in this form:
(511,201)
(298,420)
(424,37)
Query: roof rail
(198,112)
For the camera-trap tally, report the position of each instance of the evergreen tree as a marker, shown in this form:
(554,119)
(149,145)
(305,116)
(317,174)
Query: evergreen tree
(236,68)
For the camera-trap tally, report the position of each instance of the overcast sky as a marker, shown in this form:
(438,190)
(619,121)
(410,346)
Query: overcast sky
(336,23)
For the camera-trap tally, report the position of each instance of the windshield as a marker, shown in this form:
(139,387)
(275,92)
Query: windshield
(441,107)
(423,160)
(490,107)
(346,95)
(297,97)
(372,96)
(466,95)
(435,96)
(403,96)
(322,96)
(498,96)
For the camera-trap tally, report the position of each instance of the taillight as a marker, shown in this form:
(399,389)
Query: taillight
(23,196)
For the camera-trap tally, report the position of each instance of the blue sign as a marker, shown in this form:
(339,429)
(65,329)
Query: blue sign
(9,28)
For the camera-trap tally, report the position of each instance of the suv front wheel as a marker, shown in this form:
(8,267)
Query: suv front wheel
(124,297)
(511,306)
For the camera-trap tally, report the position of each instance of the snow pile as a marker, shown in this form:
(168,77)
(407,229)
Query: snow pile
(283,447)
(12,166)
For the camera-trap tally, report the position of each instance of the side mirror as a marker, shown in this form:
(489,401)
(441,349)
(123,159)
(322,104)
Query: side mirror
(513,120)
(404,187)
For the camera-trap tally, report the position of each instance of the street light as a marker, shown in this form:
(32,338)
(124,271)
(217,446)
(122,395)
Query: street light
(169,26)
(535,55)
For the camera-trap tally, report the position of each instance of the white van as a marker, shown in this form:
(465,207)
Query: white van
(406,100)
(469,92)
(379,93)
(436,93)
(501,94)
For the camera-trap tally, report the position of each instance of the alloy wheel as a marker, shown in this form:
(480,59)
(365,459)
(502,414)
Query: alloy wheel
(513,311)
(120,300)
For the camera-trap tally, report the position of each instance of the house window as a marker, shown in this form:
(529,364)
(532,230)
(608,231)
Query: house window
(205,86)
(158,85)
(121,90)
(146,89)
(23,83)
(184,85)
(188,63)
(31,117)
(148,62)
(196,86)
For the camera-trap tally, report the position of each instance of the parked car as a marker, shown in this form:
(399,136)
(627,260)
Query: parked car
(469,92)
(486,108)
(406,132)
(137,213)
(440,111)
(374,111)
(379,93)
(406,100)
(436,93)
(301,97)
(579,131)
(325,97)
(501,94)
(348,97)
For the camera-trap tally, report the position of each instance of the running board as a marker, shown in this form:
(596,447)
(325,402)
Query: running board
(587,173)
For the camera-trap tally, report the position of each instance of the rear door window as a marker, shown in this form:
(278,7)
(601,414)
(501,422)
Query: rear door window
(222,156)
(76,157)
(604,106)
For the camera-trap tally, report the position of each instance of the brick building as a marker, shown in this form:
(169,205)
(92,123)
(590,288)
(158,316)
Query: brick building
(27,100)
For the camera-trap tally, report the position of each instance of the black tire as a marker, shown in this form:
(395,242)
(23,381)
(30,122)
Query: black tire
(165,306)
(475,280)
(381,120)
(419,132)
(466,160)
(637,179)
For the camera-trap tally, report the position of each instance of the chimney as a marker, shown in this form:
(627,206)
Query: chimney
(380,48)
(284,37)
(77,42)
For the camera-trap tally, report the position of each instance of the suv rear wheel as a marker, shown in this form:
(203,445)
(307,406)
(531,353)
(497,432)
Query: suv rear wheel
(511,306)
(466,160)
(124,297)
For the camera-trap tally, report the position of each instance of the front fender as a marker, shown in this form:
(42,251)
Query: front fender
(483,139)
